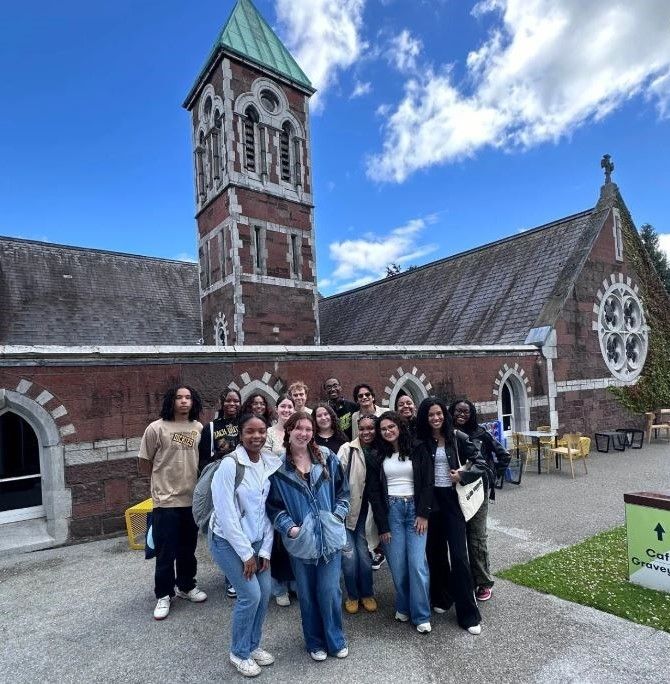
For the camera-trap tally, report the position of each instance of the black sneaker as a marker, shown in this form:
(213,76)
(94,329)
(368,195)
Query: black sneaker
(378,559)
(230,592)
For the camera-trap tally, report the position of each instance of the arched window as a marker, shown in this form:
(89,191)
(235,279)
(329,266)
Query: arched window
(217,138)
(512,405)
(200,167)
(251,120)
(285,136)
(20,477)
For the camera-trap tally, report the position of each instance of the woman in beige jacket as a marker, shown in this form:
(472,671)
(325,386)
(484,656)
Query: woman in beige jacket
(356,560)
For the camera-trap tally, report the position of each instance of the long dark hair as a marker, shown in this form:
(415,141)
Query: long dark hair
(167,410)
(269,410)
(334,422)
(423,430)
(471,425)
(383,447)
(312,447)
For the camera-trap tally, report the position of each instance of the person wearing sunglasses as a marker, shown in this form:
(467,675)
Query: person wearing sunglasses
(364,396)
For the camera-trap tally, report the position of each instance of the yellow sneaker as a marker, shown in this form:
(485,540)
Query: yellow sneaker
(351,606)
(370,604)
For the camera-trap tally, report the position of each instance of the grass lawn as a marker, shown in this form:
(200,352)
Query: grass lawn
(595,573)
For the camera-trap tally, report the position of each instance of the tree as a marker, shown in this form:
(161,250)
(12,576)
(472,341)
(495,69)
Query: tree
(393,269)
(658,257)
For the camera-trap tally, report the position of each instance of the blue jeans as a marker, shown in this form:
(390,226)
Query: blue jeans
(282,588)
(356,561)
(406,556)
(320,599)
(252,597)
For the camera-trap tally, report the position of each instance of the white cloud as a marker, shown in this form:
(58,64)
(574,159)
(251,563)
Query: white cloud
(361,89)
(324,36)
(545,68)
(185,256)
(664,243)
(362,260)
(403,51)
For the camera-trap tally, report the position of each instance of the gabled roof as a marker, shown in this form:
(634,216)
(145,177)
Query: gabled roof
(55,294)
(249,36)
(494,294)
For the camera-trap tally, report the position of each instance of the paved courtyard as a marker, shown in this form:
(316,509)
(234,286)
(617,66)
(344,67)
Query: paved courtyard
(84,613)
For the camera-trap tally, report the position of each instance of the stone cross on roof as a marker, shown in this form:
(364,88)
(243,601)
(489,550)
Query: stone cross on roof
(607,164)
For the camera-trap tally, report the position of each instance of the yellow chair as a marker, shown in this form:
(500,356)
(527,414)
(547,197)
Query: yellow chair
(136,523)
(651,424)
(546,443)
(524,448)
(572,451)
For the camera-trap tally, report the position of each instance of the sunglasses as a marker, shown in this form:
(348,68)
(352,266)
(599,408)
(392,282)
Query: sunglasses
(364,395)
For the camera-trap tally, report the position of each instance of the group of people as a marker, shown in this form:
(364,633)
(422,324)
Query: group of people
(302,497)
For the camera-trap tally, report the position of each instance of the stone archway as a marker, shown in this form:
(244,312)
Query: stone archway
(56,499)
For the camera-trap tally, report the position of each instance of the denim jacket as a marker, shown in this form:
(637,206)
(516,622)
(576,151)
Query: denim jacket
(319,509)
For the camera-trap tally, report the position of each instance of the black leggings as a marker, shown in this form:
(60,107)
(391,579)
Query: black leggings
(450,578)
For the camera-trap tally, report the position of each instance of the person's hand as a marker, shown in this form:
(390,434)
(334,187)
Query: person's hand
(385,538)
(455,475)
(421,524)
(265,564)
(250,568)
(294,531)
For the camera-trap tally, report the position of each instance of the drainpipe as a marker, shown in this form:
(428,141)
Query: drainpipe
(545,339)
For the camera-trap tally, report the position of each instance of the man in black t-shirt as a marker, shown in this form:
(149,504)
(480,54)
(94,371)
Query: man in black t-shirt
(342,407)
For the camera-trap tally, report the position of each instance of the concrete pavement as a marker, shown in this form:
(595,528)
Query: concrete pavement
(83,613)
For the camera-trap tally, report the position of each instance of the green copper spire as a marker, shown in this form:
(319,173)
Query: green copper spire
(248,35)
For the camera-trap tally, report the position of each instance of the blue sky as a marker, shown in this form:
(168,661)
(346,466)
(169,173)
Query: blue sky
(438,126)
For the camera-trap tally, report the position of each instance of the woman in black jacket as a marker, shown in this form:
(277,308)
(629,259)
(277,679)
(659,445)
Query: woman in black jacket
(448,451)
(399,484)
(464,415)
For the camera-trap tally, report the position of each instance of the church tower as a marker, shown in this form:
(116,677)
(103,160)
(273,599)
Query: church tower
(253,186)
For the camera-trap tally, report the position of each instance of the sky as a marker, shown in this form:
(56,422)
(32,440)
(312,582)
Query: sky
(438,125)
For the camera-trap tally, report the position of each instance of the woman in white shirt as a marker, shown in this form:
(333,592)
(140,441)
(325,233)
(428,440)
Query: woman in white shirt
(400,488)
(275,438)
(240,539)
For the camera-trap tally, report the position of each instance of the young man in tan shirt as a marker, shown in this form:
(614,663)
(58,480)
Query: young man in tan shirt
(169,454)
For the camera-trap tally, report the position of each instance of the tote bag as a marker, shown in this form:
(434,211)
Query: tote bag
(470,497)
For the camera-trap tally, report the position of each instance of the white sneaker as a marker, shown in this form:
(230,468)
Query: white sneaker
(248,667)
(423,627)
(401,617)
(283,600)
(318,655)
(342,653)
(230,592)
(475,629)
(439,610)
(194,596)
(162,609)
(262,657)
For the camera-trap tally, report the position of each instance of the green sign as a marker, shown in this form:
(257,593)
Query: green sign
(648,532)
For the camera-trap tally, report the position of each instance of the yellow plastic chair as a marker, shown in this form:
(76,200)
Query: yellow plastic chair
(136,523)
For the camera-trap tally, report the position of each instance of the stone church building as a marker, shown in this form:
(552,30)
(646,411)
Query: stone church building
(534,328)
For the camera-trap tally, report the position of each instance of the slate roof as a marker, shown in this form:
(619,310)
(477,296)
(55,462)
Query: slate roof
(59,295)
(248,35)
(494,294)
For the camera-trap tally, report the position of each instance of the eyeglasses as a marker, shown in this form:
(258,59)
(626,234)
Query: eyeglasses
(464,412)
(364,395)
(389,428)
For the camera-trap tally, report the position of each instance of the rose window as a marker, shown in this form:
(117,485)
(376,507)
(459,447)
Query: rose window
(622,330)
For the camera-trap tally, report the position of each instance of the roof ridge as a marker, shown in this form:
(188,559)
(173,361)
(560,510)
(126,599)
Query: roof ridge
(472,250)
(77,248)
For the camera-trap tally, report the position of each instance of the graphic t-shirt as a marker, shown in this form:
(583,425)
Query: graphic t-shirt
(172,449)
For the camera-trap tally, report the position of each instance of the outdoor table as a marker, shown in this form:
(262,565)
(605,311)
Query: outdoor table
(612,437)
(537,435)
(634,437)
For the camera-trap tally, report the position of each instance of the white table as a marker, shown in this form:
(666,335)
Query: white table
(537,435)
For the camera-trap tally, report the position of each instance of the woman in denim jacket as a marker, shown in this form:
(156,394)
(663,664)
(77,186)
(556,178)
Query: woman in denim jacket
(307,504)
(400,488)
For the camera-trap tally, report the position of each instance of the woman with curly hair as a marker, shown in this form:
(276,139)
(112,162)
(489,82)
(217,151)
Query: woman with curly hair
(400,487)
(258,405)
(307,504)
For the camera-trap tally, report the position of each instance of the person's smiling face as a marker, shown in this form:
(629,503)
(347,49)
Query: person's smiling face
(365,399)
